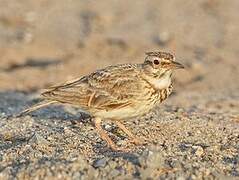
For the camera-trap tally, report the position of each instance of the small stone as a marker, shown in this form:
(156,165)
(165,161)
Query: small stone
(100,163)
(38,139)
(108,127)
(67,130)
(162,38)
(114,173)
(198,150)
(121,142)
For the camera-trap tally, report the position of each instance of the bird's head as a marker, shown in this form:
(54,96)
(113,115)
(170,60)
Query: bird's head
(158,64)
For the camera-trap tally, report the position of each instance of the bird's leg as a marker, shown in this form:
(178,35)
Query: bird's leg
(103,135)
(126,131)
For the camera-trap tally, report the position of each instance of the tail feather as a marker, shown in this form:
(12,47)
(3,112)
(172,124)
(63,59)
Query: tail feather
(35,107)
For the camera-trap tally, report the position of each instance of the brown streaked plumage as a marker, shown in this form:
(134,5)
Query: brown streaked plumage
(117,92)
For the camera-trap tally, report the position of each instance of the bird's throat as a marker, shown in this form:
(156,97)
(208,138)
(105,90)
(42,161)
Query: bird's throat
(159,83)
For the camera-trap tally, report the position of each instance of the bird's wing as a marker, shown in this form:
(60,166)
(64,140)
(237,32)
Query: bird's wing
(112,87)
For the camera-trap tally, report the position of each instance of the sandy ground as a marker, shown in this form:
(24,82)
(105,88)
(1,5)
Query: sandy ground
(192,135)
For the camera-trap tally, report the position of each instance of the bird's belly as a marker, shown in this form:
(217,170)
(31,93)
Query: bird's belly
(141,106)
(138,108)
(124,113)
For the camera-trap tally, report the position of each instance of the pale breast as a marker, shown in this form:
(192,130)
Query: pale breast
(142,105)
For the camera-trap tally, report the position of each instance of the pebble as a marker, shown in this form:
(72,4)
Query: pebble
(162,38)
(198,150)
(38,139)
(108,127)
(100,162)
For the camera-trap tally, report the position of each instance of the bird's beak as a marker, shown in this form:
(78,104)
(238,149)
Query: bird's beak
(176,65)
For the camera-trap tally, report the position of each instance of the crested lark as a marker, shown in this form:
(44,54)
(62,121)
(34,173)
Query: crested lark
(117,92)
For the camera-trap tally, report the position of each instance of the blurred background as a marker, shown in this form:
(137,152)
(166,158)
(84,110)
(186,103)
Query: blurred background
(48,42)
(192,135)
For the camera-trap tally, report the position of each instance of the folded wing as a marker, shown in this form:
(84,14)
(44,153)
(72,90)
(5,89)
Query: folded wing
(113,87)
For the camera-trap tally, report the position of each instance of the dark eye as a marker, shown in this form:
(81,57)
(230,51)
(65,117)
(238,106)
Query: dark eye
(156,62)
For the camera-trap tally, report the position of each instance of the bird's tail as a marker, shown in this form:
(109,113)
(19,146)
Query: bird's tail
(35,107)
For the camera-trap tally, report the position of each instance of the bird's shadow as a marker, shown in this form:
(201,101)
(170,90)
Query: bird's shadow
(58,112)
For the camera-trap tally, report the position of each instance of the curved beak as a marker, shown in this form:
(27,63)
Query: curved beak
(176,65)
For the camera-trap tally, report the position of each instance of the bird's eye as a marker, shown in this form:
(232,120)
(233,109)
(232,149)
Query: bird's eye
(156,62)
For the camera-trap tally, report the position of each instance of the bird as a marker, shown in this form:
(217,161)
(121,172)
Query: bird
(117,92)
